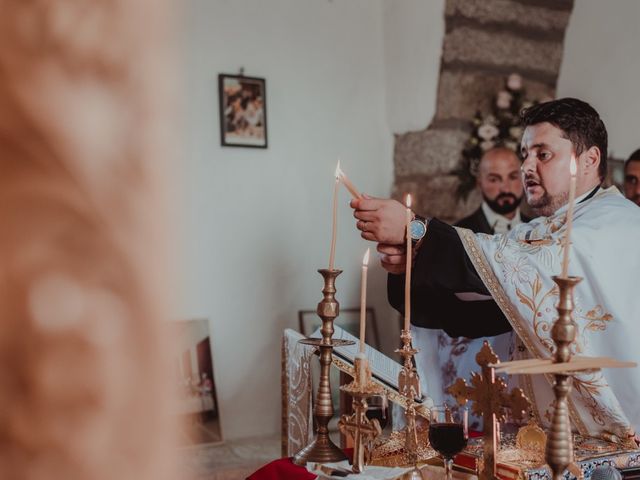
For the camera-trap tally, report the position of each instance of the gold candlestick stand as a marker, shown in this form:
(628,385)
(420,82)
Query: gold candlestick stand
(409,385)
(322,449)
(559,450)
(361,428)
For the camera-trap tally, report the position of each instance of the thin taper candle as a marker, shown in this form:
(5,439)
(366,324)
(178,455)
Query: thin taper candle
(567,236)
(347,183)
(407,273)
(334,225)
(363,300)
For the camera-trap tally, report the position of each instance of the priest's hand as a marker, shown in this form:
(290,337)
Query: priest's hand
(393,258)
(380,220)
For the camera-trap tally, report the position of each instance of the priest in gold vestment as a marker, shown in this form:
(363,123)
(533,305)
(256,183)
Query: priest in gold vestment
(515,269)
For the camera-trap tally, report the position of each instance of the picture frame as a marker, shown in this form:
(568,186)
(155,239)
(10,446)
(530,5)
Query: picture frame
(243,111)
(348,319)
(196,403)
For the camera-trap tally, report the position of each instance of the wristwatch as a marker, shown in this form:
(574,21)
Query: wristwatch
(418,228)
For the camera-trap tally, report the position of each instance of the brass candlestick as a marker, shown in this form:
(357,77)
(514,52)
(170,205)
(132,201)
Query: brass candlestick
(559,450)
(559,447)
(322,449)
(361,428)
(409,386)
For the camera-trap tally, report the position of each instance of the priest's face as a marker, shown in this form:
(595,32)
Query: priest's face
(545,169)
(499,180)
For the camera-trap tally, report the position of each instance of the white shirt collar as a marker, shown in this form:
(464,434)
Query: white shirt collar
(500,223)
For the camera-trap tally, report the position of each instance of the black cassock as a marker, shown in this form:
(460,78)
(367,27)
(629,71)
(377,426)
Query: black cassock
(442,267)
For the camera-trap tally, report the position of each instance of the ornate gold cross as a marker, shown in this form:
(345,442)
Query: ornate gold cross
(490,399)
(362,429)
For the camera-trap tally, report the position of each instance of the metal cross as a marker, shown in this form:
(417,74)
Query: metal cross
(490,399)
(362,429)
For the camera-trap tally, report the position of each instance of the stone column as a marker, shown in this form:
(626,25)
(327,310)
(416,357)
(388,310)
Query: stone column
(484,42)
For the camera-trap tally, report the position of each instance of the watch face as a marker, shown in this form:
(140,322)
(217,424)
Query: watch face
(418,229)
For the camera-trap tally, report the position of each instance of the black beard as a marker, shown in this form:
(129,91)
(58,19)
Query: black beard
(506,207)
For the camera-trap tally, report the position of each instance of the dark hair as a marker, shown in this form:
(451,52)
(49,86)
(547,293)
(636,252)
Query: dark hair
(634,157)
(578,120)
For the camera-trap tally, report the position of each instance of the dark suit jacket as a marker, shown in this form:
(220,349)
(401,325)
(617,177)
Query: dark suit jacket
(477,222)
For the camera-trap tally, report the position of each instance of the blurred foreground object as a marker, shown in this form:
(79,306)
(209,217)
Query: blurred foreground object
(83,101)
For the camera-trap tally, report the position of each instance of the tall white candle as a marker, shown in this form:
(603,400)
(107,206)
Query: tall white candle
(407,273)
(573,169)
(334,224)
(363,300)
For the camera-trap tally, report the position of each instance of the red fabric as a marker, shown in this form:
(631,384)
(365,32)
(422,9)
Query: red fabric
(281,468)
(284,468)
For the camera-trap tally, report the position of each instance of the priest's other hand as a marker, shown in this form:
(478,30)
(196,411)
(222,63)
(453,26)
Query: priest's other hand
(380,219)
(392,258)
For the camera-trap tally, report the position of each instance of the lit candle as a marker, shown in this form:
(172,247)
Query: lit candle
(363,300)
(332,254)
(407,273)
(347,183)
(572,196)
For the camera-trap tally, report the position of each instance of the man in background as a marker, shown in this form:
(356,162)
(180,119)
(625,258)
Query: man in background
(632,177)
(501,187)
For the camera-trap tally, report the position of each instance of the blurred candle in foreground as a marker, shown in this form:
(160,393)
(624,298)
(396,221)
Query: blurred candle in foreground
(407,273)
(573,169)
(363,300)
(334,224)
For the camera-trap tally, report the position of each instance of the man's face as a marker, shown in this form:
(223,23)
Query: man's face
(632,181)
(545,168)
(499,180)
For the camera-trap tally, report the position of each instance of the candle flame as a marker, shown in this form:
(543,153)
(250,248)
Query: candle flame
(365,260)
(408,200)
(338,170)
(573,168)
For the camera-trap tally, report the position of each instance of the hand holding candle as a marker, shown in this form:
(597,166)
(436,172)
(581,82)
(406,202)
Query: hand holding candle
(407,274)
(573,168)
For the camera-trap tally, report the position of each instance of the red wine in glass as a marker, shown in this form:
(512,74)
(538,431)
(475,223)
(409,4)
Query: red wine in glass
(448,434)
(448,439)
(379,410)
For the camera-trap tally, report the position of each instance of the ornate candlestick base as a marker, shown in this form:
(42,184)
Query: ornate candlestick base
(362,429)
(322,449)
(409,386)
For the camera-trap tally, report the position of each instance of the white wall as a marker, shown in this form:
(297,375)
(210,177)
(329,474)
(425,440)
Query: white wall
(256,223)
(601,66)
(413,35)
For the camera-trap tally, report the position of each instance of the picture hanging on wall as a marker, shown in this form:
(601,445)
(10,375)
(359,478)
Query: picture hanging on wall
(243,111)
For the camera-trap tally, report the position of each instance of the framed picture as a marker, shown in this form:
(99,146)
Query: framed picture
(243,111)
(196,401)
(349,320)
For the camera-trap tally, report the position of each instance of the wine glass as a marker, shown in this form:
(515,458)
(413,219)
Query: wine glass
(378,409)
(448,433)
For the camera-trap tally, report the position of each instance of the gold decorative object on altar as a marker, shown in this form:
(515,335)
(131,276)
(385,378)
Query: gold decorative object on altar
(490,399)
(409,387)
(322,449)
(531,437)
(363,430)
